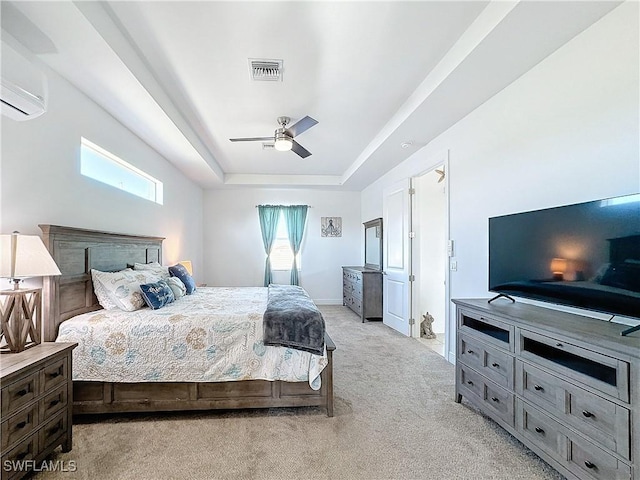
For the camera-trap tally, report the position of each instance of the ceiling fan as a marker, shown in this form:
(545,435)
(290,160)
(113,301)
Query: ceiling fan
(283,136)
(441,173)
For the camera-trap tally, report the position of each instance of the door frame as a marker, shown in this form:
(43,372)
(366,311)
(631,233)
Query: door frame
(434,161)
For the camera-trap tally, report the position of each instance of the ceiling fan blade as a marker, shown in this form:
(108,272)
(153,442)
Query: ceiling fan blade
(301,125)
(300,150)
(252,139)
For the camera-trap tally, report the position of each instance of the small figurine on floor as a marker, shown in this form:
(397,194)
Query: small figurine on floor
(425,326)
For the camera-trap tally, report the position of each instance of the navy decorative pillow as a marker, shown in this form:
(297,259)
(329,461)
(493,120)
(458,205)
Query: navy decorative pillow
(181,272)
(157,295)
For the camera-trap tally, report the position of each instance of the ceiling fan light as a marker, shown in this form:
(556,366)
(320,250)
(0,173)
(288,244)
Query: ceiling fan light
(283,142)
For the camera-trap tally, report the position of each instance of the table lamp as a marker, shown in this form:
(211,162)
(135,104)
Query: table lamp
(22,256)
(558,268)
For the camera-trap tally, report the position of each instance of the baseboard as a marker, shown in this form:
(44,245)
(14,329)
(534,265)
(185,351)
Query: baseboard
(328,301)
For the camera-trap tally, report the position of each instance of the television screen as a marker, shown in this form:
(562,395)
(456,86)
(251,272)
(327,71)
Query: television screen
(585,255)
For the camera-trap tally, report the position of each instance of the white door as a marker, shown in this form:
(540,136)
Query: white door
(397,262)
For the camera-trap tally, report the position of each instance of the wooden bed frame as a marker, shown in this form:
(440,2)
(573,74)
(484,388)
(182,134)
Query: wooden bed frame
(76,251)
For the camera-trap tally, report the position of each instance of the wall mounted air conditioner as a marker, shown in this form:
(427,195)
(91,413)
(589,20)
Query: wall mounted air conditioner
(19,104)
(23,86)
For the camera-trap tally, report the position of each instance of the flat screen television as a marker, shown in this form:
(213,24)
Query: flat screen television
(585,255)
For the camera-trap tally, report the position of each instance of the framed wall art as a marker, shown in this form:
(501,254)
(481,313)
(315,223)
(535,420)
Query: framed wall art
(331,226)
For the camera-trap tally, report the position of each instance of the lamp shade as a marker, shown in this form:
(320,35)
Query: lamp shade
(23,256)
(187,264)
(558,266)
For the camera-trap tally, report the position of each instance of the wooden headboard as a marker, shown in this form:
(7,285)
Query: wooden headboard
(76,251)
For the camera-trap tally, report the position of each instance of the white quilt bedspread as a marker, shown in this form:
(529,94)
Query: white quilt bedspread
(213,335)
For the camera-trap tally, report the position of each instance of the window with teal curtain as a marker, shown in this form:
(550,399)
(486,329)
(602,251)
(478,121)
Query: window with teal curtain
(296,216)
(269,216)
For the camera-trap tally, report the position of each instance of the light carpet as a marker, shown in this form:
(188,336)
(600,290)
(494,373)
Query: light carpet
(395,418)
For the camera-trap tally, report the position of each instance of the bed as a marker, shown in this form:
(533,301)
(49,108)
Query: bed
(71,296)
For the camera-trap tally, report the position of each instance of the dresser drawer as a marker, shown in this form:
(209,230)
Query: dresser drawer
(352,276)
(595,370)
(539,387)
(26,450)
(352,288)
(19,425)
(53,402)
(600,419)
(489,361)
(500,400)
(491,397)
(54,374)
(541,430)
(19,393)
(53,430)
(586,458)
(490,330)
(356,305)
(471,380)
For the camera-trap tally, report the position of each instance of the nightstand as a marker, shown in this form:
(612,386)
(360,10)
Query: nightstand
(36,405)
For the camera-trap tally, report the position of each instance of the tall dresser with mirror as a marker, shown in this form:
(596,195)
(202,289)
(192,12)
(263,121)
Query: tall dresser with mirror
(362,285)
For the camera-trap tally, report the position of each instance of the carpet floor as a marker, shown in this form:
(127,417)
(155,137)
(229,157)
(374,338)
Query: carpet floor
(395,418)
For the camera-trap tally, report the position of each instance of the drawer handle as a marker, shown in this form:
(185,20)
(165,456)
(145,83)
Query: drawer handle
(469,382)
(54,374)
(587,414)
(469,351)
(558,345)
(495,365)
(22,393)
(21,425)
(537,387)
(589,464)
(54,430)
(539,430)
(495,399)
(53,403)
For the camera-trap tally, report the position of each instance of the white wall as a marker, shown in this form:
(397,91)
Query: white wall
(565,132)
(41,181)
(233,250)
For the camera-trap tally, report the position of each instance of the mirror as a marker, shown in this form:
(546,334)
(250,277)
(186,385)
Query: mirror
(373,244)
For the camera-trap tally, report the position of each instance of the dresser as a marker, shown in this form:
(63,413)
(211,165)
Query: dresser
(36,403)
(567,386)
(362,291)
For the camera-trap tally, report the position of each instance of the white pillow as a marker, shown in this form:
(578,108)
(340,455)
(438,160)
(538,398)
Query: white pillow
(121,289)
(177,287)
(101,292)
(155,267)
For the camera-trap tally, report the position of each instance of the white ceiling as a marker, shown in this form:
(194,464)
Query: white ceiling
(374,74)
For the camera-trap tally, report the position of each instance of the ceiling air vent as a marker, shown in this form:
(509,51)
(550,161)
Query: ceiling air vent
(262,70)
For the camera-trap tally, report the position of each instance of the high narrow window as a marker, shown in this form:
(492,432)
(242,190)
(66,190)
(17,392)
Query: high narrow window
(103,166)
(281,254)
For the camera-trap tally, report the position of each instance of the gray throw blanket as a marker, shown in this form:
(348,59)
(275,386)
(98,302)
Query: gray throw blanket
(293,320)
